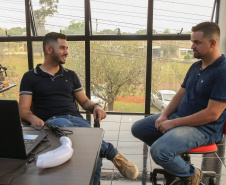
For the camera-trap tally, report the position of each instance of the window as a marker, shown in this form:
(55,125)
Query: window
(13,56)
(12,21)
(118,74)
(176,16)
(170,65)
(119,17)
(60,16)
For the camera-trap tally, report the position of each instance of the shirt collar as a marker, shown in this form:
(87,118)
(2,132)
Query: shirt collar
(216,62)
(38,71)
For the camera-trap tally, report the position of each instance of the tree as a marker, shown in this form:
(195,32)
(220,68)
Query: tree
(108,31)
(75,28)
(169,48)
(16,31)
(117,68)
(145,31)
(2,32)
(48,8)
(167,30)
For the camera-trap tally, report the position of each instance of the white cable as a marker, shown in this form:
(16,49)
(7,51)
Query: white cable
(57,156)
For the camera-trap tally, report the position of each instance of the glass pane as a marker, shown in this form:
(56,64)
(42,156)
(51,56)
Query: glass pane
(176,15)
(118,74)
(119,16)
(13,56)
(61,16)
(171,60)
(38,54)
(12,18)
(76,60)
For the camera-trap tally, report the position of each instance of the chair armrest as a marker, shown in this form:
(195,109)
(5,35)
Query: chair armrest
(96,124)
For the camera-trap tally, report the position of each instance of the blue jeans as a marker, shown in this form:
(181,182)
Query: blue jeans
(107,149)
(166,149)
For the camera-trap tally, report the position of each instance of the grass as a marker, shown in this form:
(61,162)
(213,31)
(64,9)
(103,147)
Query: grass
(132,107)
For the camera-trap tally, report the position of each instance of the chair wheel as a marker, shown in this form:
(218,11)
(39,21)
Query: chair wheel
(212,181)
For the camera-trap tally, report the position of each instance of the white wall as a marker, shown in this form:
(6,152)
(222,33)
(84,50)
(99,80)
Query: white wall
(222,25)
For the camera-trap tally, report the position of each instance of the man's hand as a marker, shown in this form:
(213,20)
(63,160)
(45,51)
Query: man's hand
(159,121)
(99,113)
(165,126)
(37,122)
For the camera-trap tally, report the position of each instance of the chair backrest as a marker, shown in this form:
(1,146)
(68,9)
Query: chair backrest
(224,132)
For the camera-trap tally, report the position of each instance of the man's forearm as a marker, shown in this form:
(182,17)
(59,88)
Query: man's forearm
(174,103)
(88,105)
(207,115)
(28,116)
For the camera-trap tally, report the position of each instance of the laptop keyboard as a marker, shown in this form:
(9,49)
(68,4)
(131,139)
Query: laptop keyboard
(29,143)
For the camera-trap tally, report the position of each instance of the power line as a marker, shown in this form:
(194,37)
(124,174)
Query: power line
(119,4)
(178,2)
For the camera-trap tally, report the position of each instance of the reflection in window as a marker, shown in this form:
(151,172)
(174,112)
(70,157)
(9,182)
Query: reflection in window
(119,16)
(12,18)
(13,56)
(171,60)
(60,16)
(118,74)
(177,16)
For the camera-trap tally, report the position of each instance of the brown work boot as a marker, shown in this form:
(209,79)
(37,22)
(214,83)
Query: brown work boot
(193,180)
(125,167)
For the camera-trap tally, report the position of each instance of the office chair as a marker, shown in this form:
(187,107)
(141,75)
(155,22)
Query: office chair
(211,148)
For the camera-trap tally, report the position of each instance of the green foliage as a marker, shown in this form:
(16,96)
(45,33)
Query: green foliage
(188,56)
(142,31)
(76,59)
(108,31)
(145,31)
(169,49)
(167,30)
(117,69)
(16,31)
(48,8)
(75,28)
(2,32)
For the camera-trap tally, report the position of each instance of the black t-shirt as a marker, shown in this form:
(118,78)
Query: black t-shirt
(51,95)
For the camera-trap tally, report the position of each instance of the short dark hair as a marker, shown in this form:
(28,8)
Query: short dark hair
(52,37)
(209,29)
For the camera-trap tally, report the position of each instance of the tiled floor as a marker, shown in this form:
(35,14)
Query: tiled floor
(117,131)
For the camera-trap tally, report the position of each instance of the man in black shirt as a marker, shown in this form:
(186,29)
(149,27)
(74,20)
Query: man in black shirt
(52,89)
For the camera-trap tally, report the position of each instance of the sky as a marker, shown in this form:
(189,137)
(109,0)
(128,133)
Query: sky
(129,16)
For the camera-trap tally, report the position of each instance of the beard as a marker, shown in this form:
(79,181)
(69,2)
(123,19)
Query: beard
(56,58)
(197,55)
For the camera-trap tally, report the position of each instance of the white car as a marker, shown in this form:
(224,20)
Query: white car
(98,100)
(162,98)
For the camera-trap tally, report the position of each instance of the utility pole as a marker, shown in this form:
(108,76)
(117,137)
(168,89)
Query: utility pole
(96,25)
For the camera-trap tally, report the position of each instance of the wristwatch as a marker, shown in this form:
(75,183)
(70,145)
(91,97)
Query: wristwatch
(96,104)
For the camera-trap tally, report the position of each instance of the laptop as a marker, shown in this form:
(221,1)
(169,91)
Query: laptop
(12,137)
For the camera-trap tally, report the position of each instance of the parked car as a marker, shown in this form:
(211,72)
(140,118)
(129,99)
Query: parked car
(161,99)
